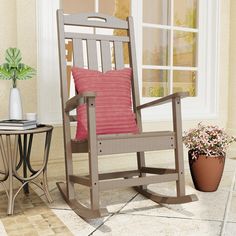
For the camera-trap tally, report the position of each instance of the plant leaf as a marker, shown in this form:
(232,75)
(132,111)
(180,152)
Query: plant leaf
(5,72)
(13,57)
(24,72)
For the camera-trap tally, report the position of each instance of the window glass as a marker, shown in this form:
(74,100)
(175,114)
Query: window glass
(118,8)
(184,49)
(155,46)
(122,11)
(78,6)
(155,83)
(185,13)
(156,11)
(184,81)
(166,47)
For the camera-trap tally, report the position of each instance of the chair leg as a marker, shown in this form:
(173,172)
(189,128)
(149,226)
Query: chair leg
(179,162)
(69,171)
(93,157)
(179,165)
(94,191)
(70,191)
(141,163)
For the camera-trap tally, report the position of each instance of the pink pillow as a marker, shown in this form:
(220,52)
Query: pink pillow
(114,113)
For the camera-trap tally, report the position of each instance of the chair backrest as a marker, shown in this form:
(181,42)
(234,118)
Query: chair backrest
(95,50)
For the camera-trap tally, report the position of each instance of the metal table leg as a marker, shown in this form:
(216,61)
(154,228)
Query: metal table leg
(12,155)
(25,151)
(4,172)
(25,156)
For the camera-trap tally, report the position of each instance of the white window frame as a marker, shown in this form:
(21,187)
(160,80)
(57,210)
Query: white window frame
(204,106)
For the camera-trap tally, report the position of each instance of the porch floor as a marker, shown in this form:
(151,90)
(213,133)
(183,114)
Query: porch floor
(130,213)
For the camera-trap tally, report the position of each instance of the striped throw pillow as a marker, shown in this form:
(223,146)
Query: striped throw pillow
(114,113)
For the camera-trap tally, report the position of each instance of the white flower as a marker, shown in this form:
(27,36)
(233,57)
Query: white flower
(207,140)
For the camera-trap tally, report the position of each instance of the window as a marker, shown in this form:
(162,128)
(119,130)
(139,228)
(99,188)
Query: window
(169,53)
(177,50)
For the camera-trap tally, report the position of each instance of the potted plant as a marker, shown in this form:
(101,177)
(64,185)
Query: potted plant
(207,146)
(13,69)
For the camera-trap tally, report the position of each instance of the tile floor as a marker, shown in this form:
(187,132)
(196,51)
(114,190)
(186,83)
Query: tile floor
(130,213)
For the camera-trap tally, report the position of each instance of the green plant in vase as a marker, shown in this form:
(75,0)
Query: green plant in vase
(13,69)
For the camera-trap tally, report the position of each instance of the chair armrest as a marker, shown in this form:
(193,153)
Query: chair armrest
(163,100)
(73,102)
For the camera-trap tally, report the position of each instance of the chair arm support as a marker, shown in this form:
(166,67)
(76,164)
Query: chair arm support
(73,102)
(164,100)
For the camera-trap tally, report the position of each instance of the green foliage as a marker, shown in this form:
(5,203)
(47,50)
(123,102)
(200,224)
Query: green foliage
(24,72)
(13,68)
(13,57)
(5,72)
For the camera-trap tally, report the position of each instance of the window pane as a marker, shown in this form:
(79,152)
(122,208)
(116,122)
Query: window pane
(184,49)
(155,83)
(185,13)
(155,49)
(107,7)
(156,11)
(78,6)
(118,8)
(184,81)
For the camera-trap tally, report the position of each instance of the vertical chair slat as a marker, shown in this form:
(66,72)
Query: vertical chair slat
(78,57)
(106,55)
(119,59)
(92,54)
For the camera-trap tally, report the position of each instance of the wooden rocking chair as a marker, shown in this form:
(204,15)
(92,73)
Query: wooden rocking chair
(118,143)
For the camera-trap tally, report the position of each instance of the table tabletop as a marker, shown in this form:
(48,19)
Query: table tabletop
(39,129)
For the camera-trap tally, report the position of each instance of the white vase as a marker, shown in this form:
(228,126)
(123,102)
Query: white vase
(15,108)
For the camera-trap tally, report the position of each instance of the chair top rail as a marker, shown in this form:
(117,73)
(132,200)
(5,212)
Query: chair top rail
(72,35)
(94,20)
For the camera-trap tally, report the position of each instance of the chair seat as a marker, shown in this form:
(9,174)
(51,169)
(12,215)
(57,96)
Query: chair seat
(126,143)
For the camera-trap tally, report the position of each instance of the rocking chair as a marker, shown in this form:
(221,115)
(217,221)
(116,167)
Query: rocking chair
(107,144)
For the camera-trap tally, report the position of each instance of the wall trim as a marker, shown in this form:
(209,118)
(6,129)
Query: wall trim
(49,104)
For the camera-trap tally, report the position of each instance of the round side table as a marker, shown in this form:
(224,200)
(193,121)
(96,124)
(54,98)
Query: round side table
(12,142)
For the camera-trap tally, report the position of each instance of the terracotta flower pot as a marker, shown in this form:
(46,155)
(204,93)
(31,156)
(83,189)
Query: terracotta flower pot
(206,172)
